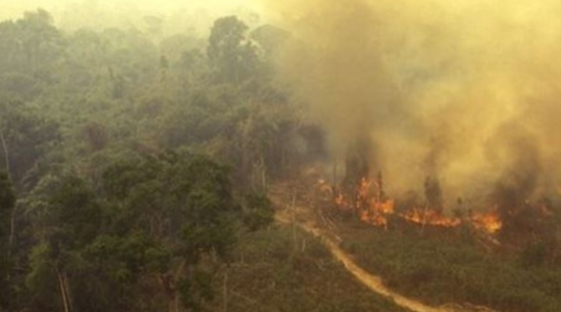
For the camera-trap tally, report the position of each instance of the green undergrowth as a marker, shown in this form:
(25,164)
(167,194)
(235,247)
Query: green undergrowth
(439,269)
(281,270)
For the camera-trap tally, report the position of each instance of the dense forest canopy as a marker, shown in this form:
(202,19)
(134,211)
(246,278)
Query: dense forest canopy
(133,156)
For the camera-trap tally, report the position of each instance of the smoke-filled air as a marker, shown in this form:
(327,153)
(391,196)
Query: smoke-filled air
(280,155)
(465,92)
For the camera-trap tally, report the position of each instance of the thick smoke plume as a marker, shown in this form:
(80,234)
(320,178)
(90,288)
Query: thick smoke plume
(466,91)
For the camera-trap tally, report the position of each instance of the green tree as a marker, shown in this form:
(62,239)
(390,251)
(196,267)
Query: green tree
(30,49)
(26,137)
(7,202)
(85,63)
(183,205)
(258,211)
(70,218)
(233,57)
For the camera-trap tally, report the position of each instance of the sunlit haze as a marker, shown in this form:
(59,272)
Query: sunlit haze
(73,14)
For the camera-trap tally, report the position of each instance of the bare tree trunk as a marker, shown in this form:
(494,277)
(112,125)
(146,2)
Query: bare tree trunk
(67,292)
(176,303)
(334,181)
(293,213)
(167,283)
(263,176)
(176,277)
(12,231)
(63,292)
(171,304)
(225,292)
(424,220)
(6,157)
(13,213)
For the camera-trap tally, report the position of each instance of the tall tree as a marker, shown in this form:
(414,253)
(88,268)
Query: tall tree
(69,218)
(7,202)
(31,46)
(26,138)
(183,207)
(233,57)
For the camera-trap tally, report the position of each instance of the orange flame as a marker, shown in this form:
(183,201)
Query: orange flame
(375,210)
(489,222)
(430,217)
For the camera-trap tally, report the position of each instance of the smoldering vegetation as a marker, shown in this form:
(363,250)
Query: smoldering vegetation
(464,92)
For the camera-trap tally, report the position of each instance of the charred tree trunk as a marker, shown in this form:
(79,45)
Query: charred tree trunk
(380,193)
(357,168)
(433,194)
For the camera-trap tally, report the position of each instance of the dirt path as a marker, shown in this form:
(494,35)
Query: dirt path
(373,282)
(301,217)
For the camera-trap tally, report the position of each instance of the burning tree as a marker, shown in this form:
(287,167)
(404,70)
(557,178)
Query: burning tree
(433,194)
(366,198)
(510,211)
(356,165)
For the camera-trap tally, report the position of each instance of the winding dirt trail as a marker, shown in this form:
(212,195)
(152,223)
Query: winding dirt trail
(373,282)
(292,214)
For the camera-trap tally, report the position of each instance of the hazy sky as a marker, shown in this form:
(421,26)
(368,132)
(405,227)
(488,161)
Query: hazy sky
(14,8)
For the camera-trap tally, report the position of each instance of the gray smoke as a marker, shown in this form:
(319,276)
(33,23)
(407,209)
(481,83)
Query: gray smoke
(462,91)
